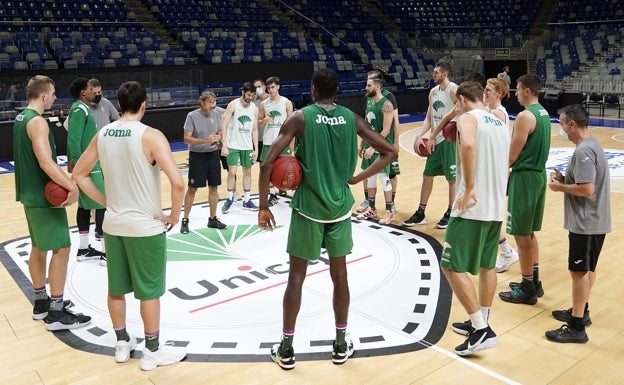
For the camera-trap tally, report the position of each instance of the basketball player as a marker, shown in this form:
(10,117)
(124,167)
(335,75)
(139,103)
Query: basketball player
(325,135)
(530,145)
(240,144)
(441,162)
(273,112)
(478,210)
(132,157)
(80,130)
(34,152)
(380,116)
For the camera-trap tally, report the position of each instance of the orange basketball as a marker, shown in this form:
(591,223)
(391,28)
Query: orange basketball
(422,149)
(286,173)
(450,131)
(55,194)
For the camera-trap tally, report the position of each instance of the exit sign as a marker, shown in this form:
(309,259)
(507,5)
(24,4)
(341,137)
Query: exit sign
(502,53)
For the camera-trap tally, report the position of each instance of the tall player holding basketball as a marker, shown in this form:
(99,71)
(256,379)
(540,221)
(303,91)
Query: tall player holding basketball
(35,164)
(326,141)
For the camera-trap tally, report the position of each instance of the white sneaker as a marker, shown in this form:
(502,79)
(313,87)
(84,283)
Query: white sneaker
(123,349)
(166,354)
(504,260)
(237,197)
(363,206)
(387,218)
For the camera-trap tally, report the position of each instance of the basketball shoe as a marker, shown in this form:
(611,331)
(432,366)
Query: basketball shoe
(418,218)
(567,334)
(41,307)
(363,206)
(387,218)
(478,340)
(65,319)
(88,253)
(504,260)
(167,354)
(565,315)
(369,213)
(227,205)
(342,352)
(249,205)
(184,229)
(285,358)
(124,348)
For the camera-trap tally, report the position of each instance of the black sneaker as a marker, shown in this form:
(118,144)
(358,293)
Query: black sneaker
(444,221)
(88,253)
(566,334)
(184,229)
(418,218)
(478,340)
(40,310)
(539,288)
(463,328)
(565,315)
(283,193)
(342,352)
(65,319)
(215,223)
(285,358)
(518,295)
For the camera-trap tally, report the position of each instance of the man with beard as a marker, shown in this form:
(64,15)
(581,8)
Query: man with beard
(240,144)
(380,116)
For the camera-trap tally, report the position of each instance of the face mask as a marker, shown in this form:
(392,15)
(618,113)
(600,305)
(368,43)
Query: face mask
(563,134)
(259,91)
(97,99)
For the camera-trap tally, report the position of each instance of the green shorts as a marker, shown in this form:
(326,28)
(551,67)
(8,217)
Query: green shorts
(136,264)
(306,237)
(239,156)
(367,162)
(442,161)
(525,206)
(265,151)
(470,245)
(84,201)
(48,227)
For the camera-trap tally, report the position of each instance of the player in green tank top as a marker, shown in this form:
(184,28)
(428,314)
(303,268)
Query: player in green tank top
(325,135)
(530,144)
(81,130)
(35,164)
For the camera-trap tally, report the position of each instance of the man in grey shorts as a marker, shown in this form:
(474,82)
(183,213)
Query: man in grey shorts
(202,132)
(587,208)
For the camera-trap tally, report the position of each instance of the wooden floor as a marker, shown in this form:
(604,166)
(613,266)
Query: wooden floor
(31,355)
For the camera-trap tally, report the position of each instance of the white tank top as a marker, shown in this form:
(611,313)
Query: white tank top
(441,104)
(133,190)
(240,131)
(504,111)
(490,177)
(277,111)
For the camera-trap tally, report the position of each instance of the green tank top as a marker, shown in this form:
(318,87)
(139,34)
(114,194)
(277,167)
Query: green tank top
(327,152)
(534,154)
(30,179)
(82,128)
(374,117)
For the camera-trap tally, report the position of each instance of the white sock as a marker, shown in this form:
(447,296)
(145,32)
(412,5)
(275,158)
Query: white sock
(84,240)
(505,247)
(247,196)
(231,195)
(477,320)
(485,312)
(272,190)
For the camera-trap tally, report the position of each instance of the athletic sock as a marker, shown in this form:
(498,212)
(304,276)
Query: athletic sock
(56,303)
(246,195)
(341,332)
(504,245)
(40,293)
(485,312)
(477,320)
(122,334)
(230,194)
(371,203)
(536,273)
(390,206)
(287,338)
(422,207)
(84,239)
(151,341)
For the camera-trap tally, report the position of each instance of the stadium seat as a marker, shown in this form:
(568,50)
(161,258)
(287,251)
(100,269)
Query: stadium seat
(611,101)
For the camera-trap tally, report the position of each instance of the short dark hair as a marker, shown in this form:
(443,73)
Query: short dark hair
(444,66)
(272,80)
(248,87)
(79,84)
(131,95)
(531,82)
(325,81)
(472,91)
(576,113)
(475,77)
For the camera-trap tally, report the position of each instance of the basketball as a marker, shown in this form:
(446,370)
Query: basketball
(55,194)
(286,173)
(422,149)
(450,131)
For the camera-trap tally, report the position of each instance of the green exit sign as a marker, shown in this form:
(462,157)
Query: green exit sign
(501,53)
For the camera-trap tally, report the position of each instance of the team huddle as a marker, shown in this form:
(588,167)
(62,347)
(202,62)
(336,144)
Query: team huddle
(494,175)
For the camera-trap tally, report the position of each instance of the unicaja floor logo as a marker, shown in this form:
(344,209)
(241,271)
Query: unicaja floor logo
(224,291)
